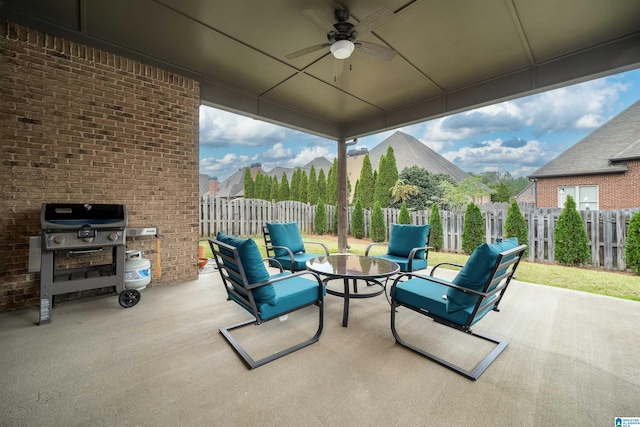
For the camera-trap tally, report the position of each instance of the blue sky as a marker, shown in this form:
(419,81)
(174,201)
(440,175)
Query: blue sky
(515,136)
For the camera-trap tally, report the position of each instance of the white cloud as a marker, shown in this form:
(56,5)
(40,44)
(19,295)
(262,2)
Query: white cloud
(220,128)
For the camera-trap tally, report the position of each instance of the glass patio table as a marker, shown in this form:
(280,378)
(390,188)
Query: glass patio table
(351,268)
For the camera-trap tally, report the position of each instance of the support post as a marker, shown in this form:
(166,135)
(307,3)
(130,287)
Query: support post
(342,196)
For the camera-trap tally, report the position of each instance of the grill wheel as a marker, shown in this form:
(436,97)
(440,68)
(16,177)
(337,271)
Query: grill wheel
(129,298)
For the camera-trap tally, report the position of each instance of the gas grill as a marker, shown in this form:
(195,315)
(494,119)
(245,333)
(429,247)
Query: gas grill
(75,239)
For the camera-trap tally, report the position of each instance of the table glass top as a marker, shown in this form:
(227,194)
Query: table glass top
(346,265)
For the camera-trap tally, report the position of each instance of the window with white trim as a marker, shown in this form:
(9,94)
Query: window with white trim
(585,196)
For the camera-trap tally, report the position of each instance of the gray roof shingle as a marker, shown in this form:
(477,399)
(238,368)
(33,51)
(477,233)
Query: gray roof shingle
(603,151)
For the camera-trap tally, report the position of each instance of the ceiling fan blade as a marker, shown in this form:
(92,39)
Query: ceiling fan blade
(376,50)
(322,23)
(373,21)
(306,50)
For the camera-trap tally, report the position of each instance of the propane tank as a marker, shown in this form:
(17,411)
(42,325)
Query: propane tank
(137,271)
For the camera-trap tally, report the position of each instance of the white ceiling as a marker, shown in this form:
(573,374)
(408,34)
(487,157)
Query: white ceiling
(453,55)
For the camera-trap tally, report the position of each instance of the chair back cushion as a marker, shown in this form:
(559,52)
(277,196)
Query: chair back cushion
(286,234)
(253,266)
(404,237)
(475,273)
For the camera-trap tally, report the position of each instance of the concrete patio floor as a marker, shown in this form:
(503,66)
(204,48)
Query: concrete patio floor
(573,359)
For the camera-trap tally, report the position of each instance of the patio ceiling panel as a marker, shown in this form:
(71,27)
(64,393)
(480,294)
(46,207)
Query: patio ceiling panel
(316,98)
(556,28)
(179,40)
(459,42)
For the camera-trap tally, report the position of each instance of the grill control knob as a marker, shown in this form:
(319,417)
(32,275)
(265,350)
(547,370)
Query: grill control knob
(113,236)
(58,240)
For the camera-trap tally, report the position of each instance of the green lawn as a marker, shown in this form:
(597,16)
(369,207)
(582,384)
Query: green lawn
(619,285)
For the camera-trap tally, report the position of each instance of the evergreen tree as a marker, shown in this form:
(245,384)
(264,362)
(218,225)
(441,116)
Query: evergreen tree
(273,194)
(283,190)
(257,182)
(294,192)
(357,221)
(387,178)
(332,184)
(356,195)
(312,187)
(304,185)
(516,225)
(472,229)
(571,241)
(320,220)
(632,247)
(366,185)
(378,227)
(501,193)
(322,185)
(405,216)
(265,188)
(249,192)
(436,236)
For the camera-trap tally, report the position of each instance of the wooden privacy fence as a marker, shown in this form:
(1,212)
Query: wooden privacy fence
(606,230)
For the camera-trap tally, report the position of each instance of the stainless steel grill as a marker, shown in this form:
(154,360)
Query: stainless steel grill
(76,229)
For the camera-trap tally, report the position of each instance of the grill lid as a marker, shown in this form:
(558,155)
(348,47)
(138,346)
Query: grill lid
(59,216)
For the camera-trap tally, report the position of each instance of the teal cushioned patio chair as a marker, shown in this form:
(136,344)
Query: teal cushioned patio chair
(408,246)
(476,290)
(284,243)
(266,297)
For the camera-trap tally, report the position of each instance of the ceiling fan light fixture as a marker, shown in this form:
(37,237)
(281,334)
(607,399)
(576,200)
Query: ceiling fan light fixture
(342,49)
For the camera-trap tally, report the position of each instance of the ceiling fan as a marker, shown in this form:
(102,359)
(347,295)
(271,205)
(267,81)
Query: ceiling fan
(342,35)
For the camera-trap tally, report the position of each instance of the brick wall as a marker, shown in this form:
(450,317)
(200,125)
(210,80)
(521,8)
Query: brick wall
(83,125)
(616,191)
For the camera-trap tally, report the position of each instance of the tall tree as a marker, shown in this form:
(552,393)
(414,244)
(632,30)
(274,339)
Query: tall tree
(332,184)
(387,178)
(283,190)
(249,192)
(357,221)
(632,248)
(273,194)
(427,184)
(378,227)
(436,236)
(516,225)
(304,187)
(501,193)
(472,228)
(570,235)
(322,185)
(295,185)
(320,220)
(312,187)
(366,186)
(265,188)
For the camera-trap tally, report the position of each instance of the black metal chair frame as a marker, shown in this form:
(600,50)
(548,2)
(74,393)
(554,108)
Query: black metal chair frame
(271,249)
(508,260)
(224,263)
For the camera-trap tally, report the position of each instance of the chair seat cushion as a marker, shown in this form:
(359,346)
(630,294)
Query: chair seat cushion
(475,273)
(405,237)
(299,260)
(253,266)
(291,293)
(403,262)
(287,235)
(432,297)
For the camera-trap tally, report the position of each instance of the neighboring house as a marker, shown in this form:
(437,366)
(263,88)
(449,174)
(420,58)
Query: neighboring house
(601,172)
(408,151)
(528,194)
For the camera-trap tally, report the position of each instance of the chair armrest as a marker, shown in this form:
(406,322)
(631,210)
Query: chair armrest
(288,276)
(439,281)
(326,250)
(270,260)
(444,263)
(366,252)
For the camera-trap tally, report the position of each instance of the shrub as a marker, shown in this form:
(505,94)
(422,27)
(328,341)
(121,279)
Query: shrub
(320,221)
(405,216)
(632,247)
(472,229)
(357,221)
(516,225)
(571,241)
(436,238)
(378,228)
